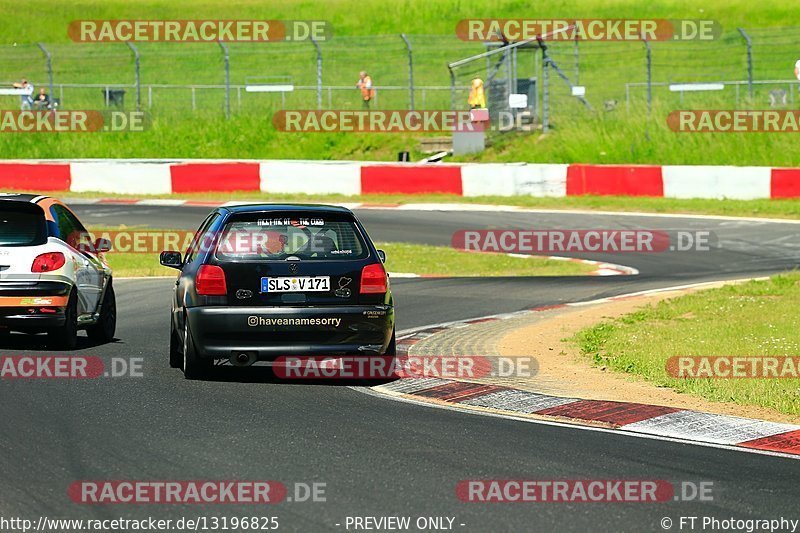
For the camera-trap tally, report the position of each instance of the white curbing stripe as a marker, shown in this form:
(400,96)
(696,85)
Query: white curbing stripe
(408,386)
(720,429)
(518,401)
(698,181)
(514,179)
(317,177)
(122,178)
(162,202)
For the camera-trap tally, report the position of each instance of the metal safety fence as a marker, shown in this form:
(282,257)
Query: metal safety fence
(561,79)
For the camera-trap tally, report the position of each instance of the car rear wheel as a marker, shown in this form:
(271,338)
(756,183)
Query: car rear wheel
(392,348)
(106,325)
(175,351)
(194,367)
(391,351)
(66,336)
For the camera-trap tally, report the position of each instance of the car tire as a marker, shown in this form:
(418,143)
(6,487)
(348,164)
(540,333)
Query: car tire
(391,351)
(194,367)
(175,350)
(392,348)
(66,336)
(106,325)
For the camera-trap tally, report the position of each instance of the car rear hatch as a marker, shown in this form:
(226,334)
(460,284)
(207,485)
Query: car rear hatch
(294,259)
(23,234)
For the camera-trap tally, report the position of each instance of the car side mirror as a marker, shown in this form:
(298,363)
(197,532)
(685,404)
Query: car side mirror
(382,256)
(171,259)
(102,245)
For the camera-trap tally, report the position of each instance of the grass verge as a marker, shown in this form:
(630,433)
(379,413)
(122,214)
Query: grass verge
(401,257)
(753,319)
(441,260)
(186,122)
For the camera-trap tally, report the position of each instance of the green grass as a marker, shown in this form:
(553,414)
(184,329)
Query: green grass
(597,138)
(208,135)
(359,17)
(137,265)
(754,319)
(441,260)
(366,35)
(784,208)
(402,257)
(636,137)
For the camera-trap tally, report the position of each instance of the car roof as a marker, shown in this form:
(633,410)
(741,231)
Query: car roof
(306,208)
(21,197)
(40,200)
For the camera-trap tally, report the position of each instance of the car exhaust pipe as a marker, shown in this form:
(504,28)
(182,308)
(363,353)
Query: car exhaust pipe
(242,359)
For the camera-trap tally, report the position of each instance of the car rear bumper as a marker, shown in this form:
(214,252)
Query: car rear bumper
(270,332)
(33,304)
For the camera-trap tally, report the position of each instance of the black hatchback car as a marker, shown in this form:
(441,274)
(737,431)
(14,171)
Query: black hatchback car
(263,281)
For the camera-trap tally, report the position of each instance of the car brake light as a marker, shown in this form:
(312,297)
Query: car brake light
(373,279)
(210,281)
(48,262)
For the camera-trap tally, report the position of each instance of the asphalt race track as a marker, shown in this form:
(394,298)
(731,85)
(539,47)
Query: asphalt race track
(377,457)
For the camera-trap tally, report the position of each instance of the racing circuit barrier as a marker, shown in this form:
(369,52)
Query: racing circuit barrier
(150,177)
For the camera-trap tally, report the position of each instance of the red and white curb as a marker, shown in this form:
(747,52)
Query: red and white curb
(638,419)
(163,176)
(601,268)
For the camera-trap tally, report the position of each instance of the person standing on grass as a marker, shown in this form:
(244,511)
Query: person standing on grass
(477,96)
(364,84)
(26,98)
(797,71)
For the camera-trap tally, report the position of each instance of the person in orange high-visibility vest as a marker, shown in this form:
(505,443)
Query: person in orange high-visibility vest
(365,85)
(477,97)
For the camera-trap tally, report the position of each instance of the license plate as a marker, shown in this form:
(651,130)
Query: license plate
(296,284)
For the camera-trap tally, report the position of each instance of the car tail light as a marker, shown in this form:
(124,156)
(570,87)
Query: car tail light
(48,262)
(373,279)
(210,281)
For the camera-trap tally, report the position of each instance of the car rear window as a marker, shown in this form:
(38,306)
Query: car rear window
(278,236)
(22,224)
